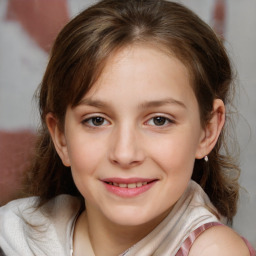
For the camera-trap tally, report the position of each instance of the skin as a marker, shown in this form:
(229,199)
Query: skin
(220,240)
(140,120)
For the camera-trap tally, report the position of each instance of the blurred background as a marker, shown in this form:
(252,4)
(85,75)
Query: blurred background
(27,31)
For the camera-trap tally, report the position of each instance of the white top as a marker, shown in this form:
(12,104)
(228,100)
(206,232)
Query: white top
(49,230)
(25,231)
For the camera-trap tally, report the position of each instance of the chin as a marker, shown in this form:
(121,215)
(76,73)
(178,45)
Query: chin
(131,216)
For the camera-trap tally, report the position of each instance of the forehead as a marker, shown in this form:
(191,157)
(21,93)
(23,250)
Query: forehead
(141,65)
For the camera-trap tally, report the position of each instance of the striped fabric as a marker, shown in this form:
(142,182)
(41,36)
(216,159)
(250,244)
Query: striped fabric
(185,248)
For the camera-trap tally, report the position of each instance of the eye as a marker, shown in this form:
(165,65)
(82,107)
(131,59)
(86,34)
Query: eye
(95,121)
(159,121)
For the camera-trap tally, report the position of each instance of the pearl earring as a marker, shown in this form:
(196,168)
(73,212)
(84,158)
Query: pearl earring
(206,158)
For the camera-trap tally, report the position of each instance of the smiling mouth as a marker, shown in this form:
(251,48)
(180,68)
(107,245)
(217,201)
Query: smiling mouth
(128,188)
(129,185)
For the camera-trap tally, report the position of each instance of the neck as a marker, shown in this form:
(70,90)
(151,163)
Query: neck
(108,238)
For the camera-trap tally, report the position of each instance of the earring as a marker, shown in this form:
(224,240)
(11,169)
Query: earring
(206,158)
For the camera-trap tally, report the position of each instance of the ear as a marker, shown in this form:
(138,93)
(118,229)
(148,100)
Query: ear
(58,138)
(212,130)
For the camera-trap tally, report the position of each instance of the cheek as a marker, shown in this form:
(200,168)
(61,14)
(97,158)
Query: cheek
(85,158)
(85,155)
(175,155)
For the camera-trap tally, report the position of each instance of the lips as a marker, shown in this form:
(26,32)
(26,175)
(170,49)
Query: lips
(128,187)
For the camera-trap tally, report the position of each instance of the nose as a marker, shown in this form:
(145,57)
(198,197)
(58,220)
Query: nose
(126,148)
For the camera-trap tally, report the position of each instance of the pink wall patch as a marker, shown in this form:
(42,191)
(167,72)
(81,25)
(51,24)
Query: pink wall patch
(219,17)
(15,151)
(41,19)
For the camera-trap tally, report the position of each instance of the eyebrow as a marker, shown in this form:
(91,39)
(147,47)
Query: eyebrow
(144,105)
(159,103)
(93,103)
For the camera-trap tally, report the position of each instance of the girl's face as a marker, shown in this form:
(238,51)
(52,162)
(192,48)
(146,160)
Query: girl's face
(132,141)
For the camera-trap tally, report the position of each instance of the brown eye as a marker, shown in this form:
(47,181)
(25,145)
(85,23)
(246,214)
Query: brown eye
(97,121)
(160,120)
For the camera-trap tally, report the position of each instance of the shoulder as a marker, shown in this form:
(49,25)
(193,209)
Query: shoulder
(23,226)
(25,211)
(14,209)
(219,240)
(13,224)
(26,208)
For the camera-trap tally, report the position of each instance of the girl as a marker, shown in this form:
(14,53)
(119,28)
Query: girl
(130,155)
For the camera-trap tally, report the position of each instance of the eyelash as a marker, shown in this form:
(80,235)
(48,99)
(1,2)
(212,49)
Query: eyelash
(89,121)
(164,121)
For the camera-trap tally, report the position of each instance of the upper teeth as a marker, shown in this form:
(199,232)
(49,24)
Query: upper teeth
(130,185)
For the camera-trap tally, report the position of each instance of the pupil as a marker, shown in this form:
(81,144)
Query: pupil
(159,120)
(97,121)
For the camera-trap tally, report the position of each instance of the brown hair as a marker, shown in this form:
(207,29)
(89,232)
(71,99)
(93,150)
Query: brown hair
(76,61)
